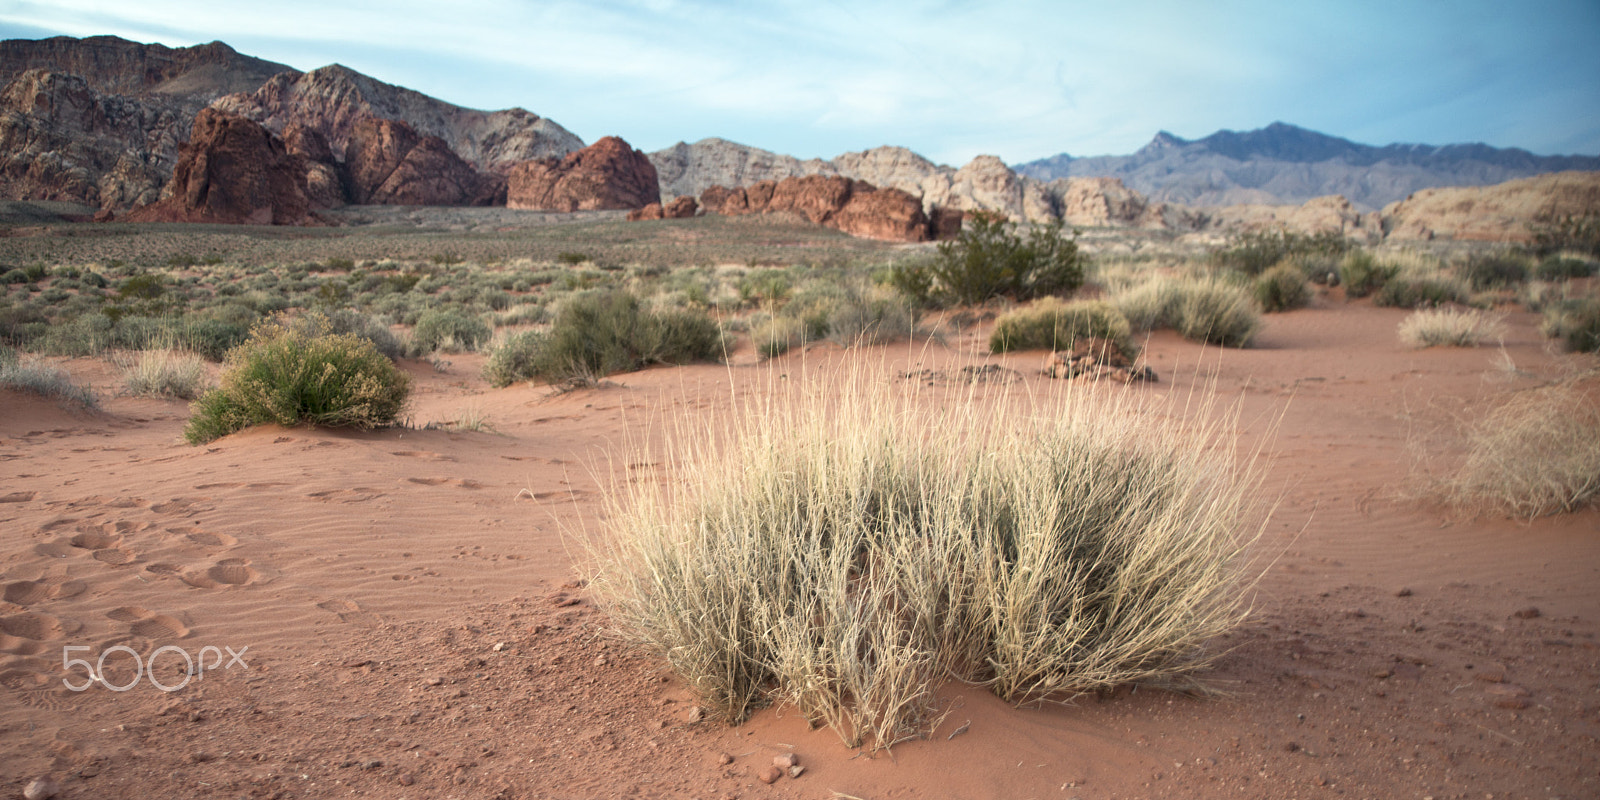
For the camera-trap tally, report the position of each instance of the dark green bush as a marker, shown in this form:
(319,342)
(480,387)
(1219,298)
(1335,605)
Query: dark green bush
(1282,288)
(1217,312)
(14,276)
(914,280)
(989,259)
(1361,274)
(144,286)
(339,264)
(1053,325)
(599,334)
(1493,271)
(1254,253)
(440,328)
(1420,291)
(1579,234)
(289,376)
(1559,268)
(573,259)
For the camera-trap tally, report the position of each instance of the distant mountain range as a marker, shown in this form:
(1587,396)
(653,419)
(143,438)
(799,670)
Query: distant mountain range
(1283,164)
(103,122)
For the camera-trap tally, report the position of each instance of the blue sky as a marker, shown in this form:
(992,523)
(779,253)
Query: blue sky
(950,80)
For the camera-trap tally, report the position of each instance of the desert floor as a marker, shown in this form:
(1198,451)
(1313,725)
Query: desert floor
(414,628)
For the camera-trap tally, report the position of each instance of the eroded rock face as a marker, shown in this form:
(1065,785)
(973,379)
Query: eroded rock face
(676,208)
(855,207)
(335,99)
(1505,212)
(389,163)
(608,174)
(325,183)
(1333,214)
(233,171)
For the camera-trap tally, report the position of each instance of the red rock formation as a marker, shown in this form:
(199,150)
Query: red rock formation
(677,208)
(605,175)
(324,178)
(855,207)
(388,163)
(232,171)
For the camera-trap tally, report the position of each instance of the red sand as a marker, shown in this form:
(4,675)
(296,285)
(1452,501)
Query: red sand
(372,577)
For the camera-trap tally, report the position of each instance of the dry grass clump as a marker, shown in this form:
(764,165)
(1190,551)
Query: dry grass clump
(1054,325)
(1536,453)
(164,372)
(843,551)
(1448,327)
(37,377)
(1202,308)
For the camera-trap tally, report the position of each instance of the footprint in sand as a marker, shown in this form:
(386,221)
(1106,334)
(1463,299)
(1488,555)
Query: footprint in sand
(148,624)
(204,538)
(25,593)
(227,572)
(351,612)
(458,482)
(424,455)
(18,497)
(358,494)
(25,634)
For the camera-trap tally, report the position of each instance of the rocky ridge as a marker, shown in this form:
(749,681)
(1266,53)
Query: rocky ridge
(854,207)
(608,174)
(233,171)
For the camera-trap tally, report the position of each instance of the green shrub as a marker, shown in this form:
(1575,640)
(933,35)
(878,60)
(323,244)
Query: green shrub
(573,258)
(515,359)
(775,336)
(846,552)
(1576,322)
(288,375)
(598,334)
(1493,271)
(339,264)
(766,287)
(144,286)
(355,323)
(1361,274)
(1282,288)
(914,279)
(1575,233)
(448,329)
(1562,268)
(1150,305)
(1409,290)
(989,259)
(1217,312)
(1255,252)
(1054,325)
(14,276)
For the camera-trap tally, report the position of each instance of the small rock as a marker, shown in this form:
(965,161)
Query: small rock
(1405,591)
(693,715)
(1526,613)
(46,787)
(373,764)
(601,661)
(724,759)
(770,775)
(406,779)
(796,771)
(1290,747)
(501,647)
(200,757)
(433,682)
(1493,673)
(785,761)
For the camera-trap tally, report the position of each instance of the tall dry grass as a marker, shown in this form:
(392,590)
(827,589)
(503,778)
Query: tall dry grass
(1536,453)
(837,548)
(1449,327)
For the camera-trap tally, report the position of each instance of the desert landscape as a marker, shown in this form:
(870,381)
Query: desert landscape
(1380,414)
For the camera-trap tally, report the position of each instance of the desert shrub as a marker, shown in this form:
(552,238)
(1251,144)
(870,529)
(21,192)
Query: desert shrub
(1255,252)
(37,377)
(355,323)
(1536,453)
(871,316)
(766,287)
(1150,305)
(1575,233)
(1054,325)
(1448,327)
(774,336)
(606,332)
(288,375)
(1493,270)
(845,552)
(989,259)
(1408,289)
(162,373)
(22,324)
(1576,322)
(914,279)
(144,286)
(573,258)
(1281,288)
(15,276)
(1563,267)
(514,360)
(339,264)
(1216,311)
(444,329)
(1361,274)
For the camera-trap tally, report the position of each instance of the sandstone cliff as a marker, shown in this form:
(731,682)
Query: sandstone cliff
(334,99)
(608,174)
(855,207)
(388,163)
(1501,213)
(192,76)
(233,171)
